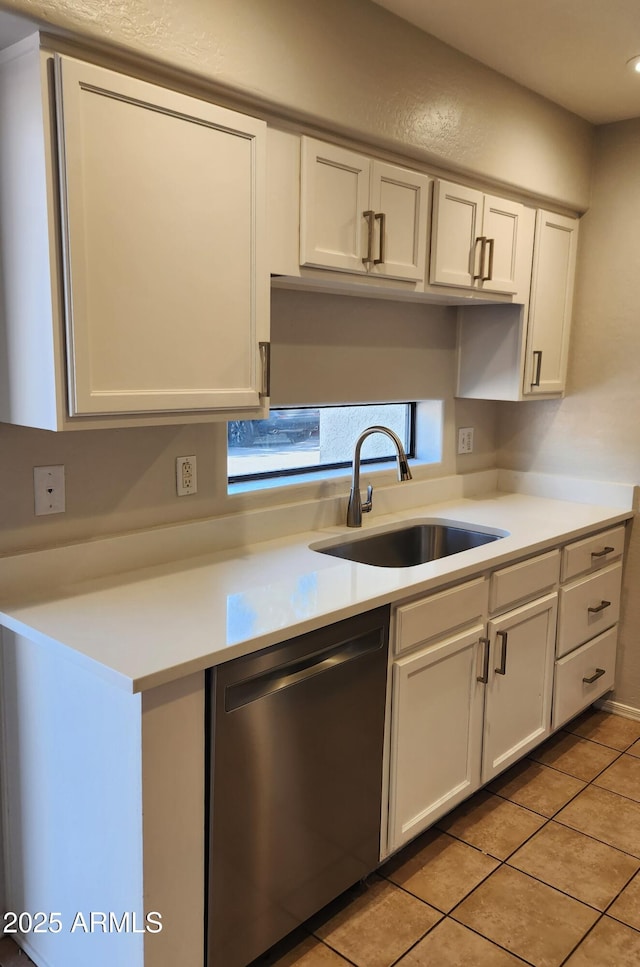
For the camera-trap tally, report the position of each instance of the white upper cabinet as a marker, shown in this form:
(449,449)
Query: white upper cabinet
(361,216)
(161,270)
(518,352)
(552,283)
(475,239)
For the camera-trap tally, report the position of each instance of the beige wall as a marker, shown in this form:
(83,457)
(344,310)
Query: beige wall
(595,431)
(354,68)
(325,349)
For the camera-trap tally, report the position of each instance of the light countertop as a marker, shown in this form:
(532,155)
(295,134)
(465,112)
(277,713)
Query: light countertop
(144,627)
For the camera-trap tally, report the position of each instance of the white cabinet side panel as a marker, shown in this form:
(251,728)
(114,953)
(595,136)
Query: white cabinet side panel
(30,364)
(173,730)
(72,771)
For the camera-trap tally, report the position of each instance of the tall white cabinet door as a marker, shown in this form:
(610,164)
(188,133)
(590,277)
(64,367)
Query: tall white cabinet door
(166,285)
(518,701)
(400,199)
(457,217)
(334,195)
(500,225)
(554,263)
(436,733)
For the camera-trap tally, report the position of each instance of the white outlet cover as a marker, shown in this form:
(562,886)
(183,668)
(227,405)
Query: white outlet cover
(465,439)
(186,476)
(48,490)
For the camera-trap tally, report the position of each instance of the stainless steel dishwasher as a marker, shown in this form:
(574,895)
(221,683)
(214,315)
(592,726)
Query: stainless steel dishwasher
(296,737)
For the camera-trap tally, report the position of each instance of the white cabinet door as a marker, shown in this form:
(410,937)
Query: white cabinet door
(519,691)
(474,239)
(399,197)
(554,262)
(166,285)
(361,216)
(456,226)
(334,195)
(436,732)
(500,226)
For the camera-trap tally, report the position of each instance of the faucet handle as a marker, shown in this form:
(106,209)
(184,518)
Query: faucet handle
(368,503)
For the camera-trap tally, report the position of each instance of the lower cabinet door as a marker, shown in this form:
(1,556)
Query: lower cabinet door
(519,690)
(436,732)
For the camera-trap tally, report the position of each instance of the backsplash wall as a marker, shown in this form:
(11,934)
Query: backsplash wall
(325,349)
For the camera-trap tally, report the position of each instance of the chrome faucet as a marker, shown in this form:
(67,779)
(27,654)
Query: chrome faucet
(356,507)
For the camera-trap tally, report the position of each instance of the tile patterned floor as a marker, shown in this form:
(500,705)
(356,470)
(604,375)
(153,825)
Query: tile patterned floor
(541,868)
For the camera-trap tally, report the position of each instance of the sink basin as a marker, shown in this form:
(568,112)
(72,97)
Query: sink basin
(407,546)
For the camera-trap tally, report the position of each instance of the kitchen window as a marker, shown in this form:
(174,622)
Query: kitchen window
(297,441)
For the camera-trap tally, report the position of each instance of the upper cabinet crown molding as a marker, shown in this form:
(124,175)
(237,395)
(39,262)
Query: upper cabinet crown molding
(137,283)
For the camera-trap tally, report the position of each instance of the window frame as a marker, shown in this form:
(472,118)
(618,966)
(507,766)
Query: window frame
(343,464)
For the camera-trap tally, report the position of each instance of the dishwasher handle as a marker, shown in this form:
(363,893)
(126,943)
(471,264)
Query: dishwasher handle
(300,670)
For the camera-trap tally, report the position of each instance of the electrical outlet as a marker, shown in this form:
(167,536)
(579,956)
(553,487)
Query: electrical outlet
(186,478)
(465,439)
(48,490)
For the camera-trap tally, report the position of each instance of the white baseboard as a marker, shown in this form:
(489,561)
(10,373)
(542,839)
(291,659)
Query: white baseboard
(627,711)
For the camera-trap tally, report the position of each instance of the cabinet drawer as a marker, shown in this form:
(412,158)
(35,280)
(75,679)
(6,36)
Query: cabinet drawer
(592,553)
(588,607)
(523,580)
(440,613)
(595,661)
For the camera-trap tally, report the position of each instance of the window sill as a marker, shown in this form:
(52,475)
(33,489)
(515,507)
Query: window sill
(314,476)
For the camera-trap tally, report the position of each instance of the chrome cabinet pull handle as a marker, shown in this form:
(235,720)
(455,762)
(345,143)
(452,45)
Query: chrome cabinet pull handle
(484,678)
(370,217)
(264,348)
(504,637)
(483,247)
(489,276)
(599,672)
(538,367)
(600,607)
(382,218)
(605,550)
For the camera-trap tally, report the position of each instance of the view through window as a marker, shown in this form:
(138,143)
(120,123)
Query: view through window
(295,440)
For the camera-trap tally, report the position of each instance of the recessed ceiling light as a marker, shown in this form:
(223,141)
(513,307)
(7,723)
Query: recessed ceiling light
(634,64)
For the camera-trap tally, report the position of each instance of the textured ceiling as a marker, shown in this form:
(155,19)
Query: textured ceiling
(573,52)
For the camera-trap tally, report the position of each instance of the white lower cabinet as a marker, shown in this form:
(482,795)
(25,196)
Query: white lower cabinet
(437,703)
(587,623)
(518,700)
(472,675)
(468,704)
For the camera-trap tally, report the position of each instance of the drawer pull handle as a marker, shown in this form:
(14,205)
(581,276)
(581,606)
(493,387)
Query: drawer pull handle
(503,635)
(605,550)
(599,672)
(484,678)
(599,607)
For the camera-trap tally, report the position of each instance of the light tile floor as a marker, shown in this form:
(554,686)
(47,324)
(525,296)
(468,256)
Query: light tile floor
(540,868)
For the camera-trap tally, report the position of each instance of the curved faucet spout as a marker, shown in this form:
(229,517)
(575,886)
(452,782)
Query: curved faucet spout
(356,506)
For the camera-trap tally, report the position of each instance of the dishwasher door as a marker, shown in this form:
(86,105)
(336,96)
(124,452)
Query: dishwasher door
(296,781)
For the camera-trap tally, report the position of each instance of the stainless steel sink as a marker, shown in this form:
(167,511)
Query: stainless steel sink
(407,546)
